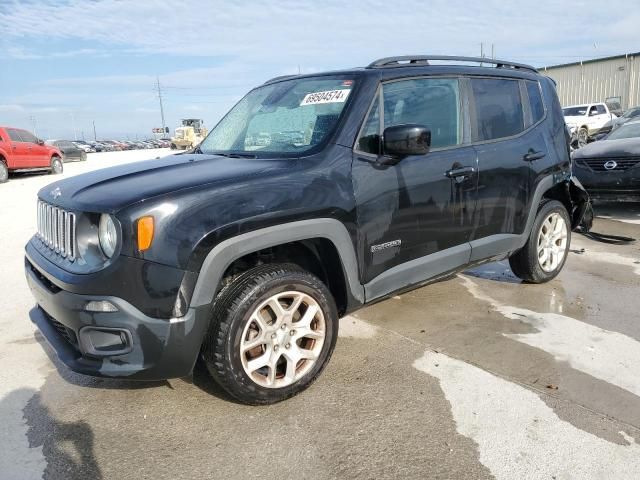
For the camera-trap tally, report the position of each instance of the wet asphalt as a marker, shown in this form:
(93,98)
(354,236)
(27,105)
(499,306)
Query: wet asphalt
(558,357)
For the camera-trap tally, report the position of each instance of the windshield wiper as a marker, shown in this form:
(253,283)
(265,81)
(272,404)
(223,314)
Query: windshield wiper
(233,154)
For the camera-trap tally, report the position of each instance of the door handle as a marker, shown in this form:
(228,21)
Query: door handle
(533,155)
(460,172)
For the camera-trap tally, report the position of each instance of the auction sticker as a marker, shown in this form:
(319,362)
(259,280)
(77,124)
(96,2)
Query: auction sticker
(328,96)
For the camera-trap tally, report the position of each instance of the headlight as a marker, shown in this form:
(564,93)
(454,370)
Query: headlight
(108,235)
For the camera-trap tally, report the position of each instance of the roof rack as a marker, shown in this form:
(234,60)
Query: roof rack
(278,78)
(421,60)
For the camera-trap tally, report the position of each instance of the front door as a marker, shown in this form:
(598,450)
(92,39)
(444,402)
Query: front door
(38,155)
(414,217)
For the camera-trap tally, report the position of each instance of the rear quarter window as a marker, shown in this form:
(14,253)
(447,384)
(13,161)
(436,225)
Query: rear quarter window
(498,108)
(535,100)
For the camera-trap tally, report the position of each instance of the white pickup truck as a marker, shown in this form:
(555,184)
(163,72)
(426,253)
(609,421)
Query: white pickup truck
(585,121)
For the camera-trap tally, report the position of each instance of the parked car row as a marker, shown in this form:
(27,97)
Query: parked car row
(116,145)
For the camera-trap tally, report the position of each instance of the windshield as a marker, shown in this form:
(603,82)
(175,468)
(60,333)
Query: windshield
(288,117)
(574,111)
(634,112)
(628,130)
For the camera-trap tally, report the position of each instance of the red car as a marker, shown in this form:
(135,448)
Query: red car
(22,151)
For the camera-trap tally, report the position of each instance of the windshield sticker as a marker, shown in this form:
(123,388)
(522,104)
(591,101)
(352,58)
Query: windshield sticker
(329,96)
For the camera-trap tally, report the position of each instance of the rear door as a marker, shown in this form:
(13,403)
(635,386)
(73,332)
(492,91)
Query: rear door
(19,151)
(414,217)
(507,144)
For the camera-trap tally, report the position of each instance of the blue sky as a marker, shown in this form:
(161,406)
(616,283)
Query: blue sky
(66,63)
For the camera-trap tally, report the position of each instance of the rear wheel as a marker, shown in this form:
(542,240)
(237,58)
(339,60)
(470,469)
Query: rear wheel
(56,166)
(546,250)
(273,331)
(4,171)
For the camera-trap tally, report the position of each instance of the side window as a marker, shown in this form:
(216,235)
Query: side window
(369,141)
(498,108)
(14,135)
(28,137)
(601,110)
(535,100)
(431,102)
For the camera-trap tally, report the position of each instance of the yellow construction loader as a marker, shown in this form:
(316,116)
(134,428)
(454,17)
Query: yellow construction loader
(189,135)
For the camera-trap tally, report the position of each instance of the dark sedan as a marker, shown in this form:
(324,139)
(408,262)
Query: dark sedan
(70,151)
(610,168)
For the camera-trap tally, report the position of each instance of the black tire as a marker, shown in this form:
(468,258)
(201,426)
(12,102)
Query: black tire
(525,262)
(56,166)
(173,146)
(4,171)
(232,313)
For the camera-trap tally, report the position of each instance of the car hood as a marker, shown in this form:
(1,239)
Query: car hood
(111,189)
(610,148)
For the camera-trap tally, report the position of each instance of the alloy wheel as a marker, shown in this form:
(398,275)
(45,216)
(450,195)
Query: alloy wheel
(282,339)
(552,242)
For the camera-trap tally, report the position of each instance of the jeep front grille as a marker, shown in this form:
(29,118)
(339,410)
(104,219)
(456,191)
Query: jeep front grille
(57,229)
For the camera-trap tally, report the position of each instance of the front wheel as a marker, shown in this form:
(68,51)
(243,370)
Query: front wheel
(4,172)
(56,166)
(546,250)
(272,332)
(583,137)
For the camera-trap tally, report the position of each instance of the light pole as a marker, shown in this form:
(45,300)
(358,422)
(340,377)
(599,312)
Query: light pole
(73,122)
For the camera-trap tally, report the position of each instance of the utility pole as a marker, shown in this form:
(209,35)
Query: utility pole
(160,99)
(95,137)
(34,125)
(493,57)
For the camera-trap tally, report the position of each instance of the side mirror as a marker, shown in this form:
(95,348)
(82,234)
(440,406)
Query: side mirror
(404,140)
(40,142)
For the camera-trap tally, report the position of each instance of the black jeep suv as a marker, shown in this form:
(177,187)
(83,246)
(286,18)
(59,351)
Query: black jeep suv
(316,194)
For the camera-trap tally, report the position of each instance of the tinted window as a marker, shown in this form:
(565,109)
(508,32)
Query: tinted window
(499,111)
(14,135)
(535,99)
(369,140)
(28,136)
(433,103)
(575,111)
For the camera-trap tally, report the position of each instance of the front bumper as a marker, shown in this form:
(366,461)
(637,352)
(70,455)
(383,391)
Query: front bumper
(152,348)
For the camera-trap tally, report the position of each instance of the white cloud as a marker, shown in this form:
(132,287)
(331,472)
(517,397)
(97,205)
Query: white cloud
(242,44)
(334,33)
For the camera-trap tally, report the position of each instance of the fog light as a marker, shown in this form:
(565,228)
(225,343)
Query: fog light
(100,306)
(105,341)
